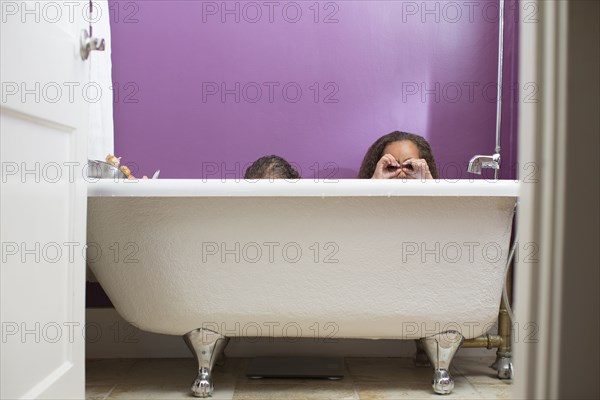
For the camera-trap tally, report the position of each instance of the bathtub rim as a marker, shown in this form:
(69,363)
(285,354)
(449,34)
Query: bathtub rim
(301,188)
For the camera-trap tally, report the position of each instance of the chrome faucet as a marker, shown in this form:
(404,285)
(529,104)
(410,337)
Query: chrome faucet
(478,162)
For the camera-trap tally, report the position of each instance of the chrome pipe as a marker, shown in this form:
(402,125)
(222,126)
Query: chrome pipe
(500,66)
(484,161)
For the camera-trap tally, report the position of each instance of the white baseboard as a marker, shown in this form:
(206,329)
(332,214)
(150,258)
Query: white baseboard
(110,336)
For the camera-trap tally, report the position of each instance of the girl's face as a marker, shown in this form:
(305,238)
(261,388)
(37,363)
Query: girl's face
(402,150)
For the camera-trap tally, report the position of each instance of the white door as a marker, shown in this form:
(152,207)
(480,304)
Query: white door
(44,122)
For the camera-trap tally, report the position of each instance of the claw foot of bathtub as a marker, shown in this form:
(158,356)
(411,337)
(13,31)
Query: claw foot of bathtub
(440,349)
(421,359)
(207,346)
(202,386)
(504,367)
(442,382)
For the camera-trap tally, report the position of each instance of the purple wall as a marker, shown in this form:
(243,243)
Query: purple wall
(423,67)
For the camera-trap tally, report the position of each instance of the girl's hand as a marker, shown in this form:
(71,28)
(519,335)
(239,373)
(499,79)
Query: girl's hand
(414,168)
(383,170)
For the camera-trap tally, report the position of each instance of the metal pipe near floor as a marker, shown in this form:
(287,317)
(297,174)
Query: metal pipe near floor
(485,341)
(503,364)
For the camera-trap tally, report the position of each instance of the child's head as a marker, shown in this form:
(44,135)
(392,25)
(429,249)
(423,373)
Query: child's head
(384,145)
(271,167)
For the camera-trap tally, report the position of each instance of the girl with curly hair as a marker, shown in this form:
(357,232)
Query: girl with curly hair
(399,155)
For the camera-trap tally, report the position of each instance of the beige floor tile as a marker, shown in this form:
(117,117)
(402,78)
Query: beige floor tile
(150,392)
(225,385)
(224,389)
(499,391)
(369,378)
(269,389)
(406,375)
(97,392)
(108,371)
(406,390)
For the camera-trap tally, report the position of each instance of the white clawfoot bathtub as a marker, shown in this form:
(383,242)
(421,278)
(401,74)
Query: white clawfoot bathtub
(346,259)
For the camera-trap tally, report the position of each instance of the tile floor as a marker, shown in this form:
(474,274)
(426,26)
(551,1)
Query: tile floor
(365,378)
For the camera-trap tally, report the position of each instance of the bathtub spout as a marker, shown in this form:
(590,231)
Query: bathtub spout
(477,163)
(440,349)
(207,346)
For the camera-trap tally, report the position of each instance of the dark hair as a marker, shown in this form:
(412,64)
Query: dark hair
(271,167)
(375,152)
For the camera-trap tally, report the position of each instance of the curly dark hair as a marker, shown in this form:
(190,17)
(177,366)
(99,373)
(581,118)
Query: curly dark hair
(375,152)
(271,167)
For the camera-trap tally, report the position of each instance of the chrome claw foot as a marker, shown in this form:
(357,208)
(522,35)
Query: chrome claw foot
(206,346)
(504,367)
(440,349)
(421,359)
(442,383)
(202,386)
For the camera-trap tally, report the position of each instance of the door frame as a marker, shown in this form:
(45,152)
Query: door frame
(558,207)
